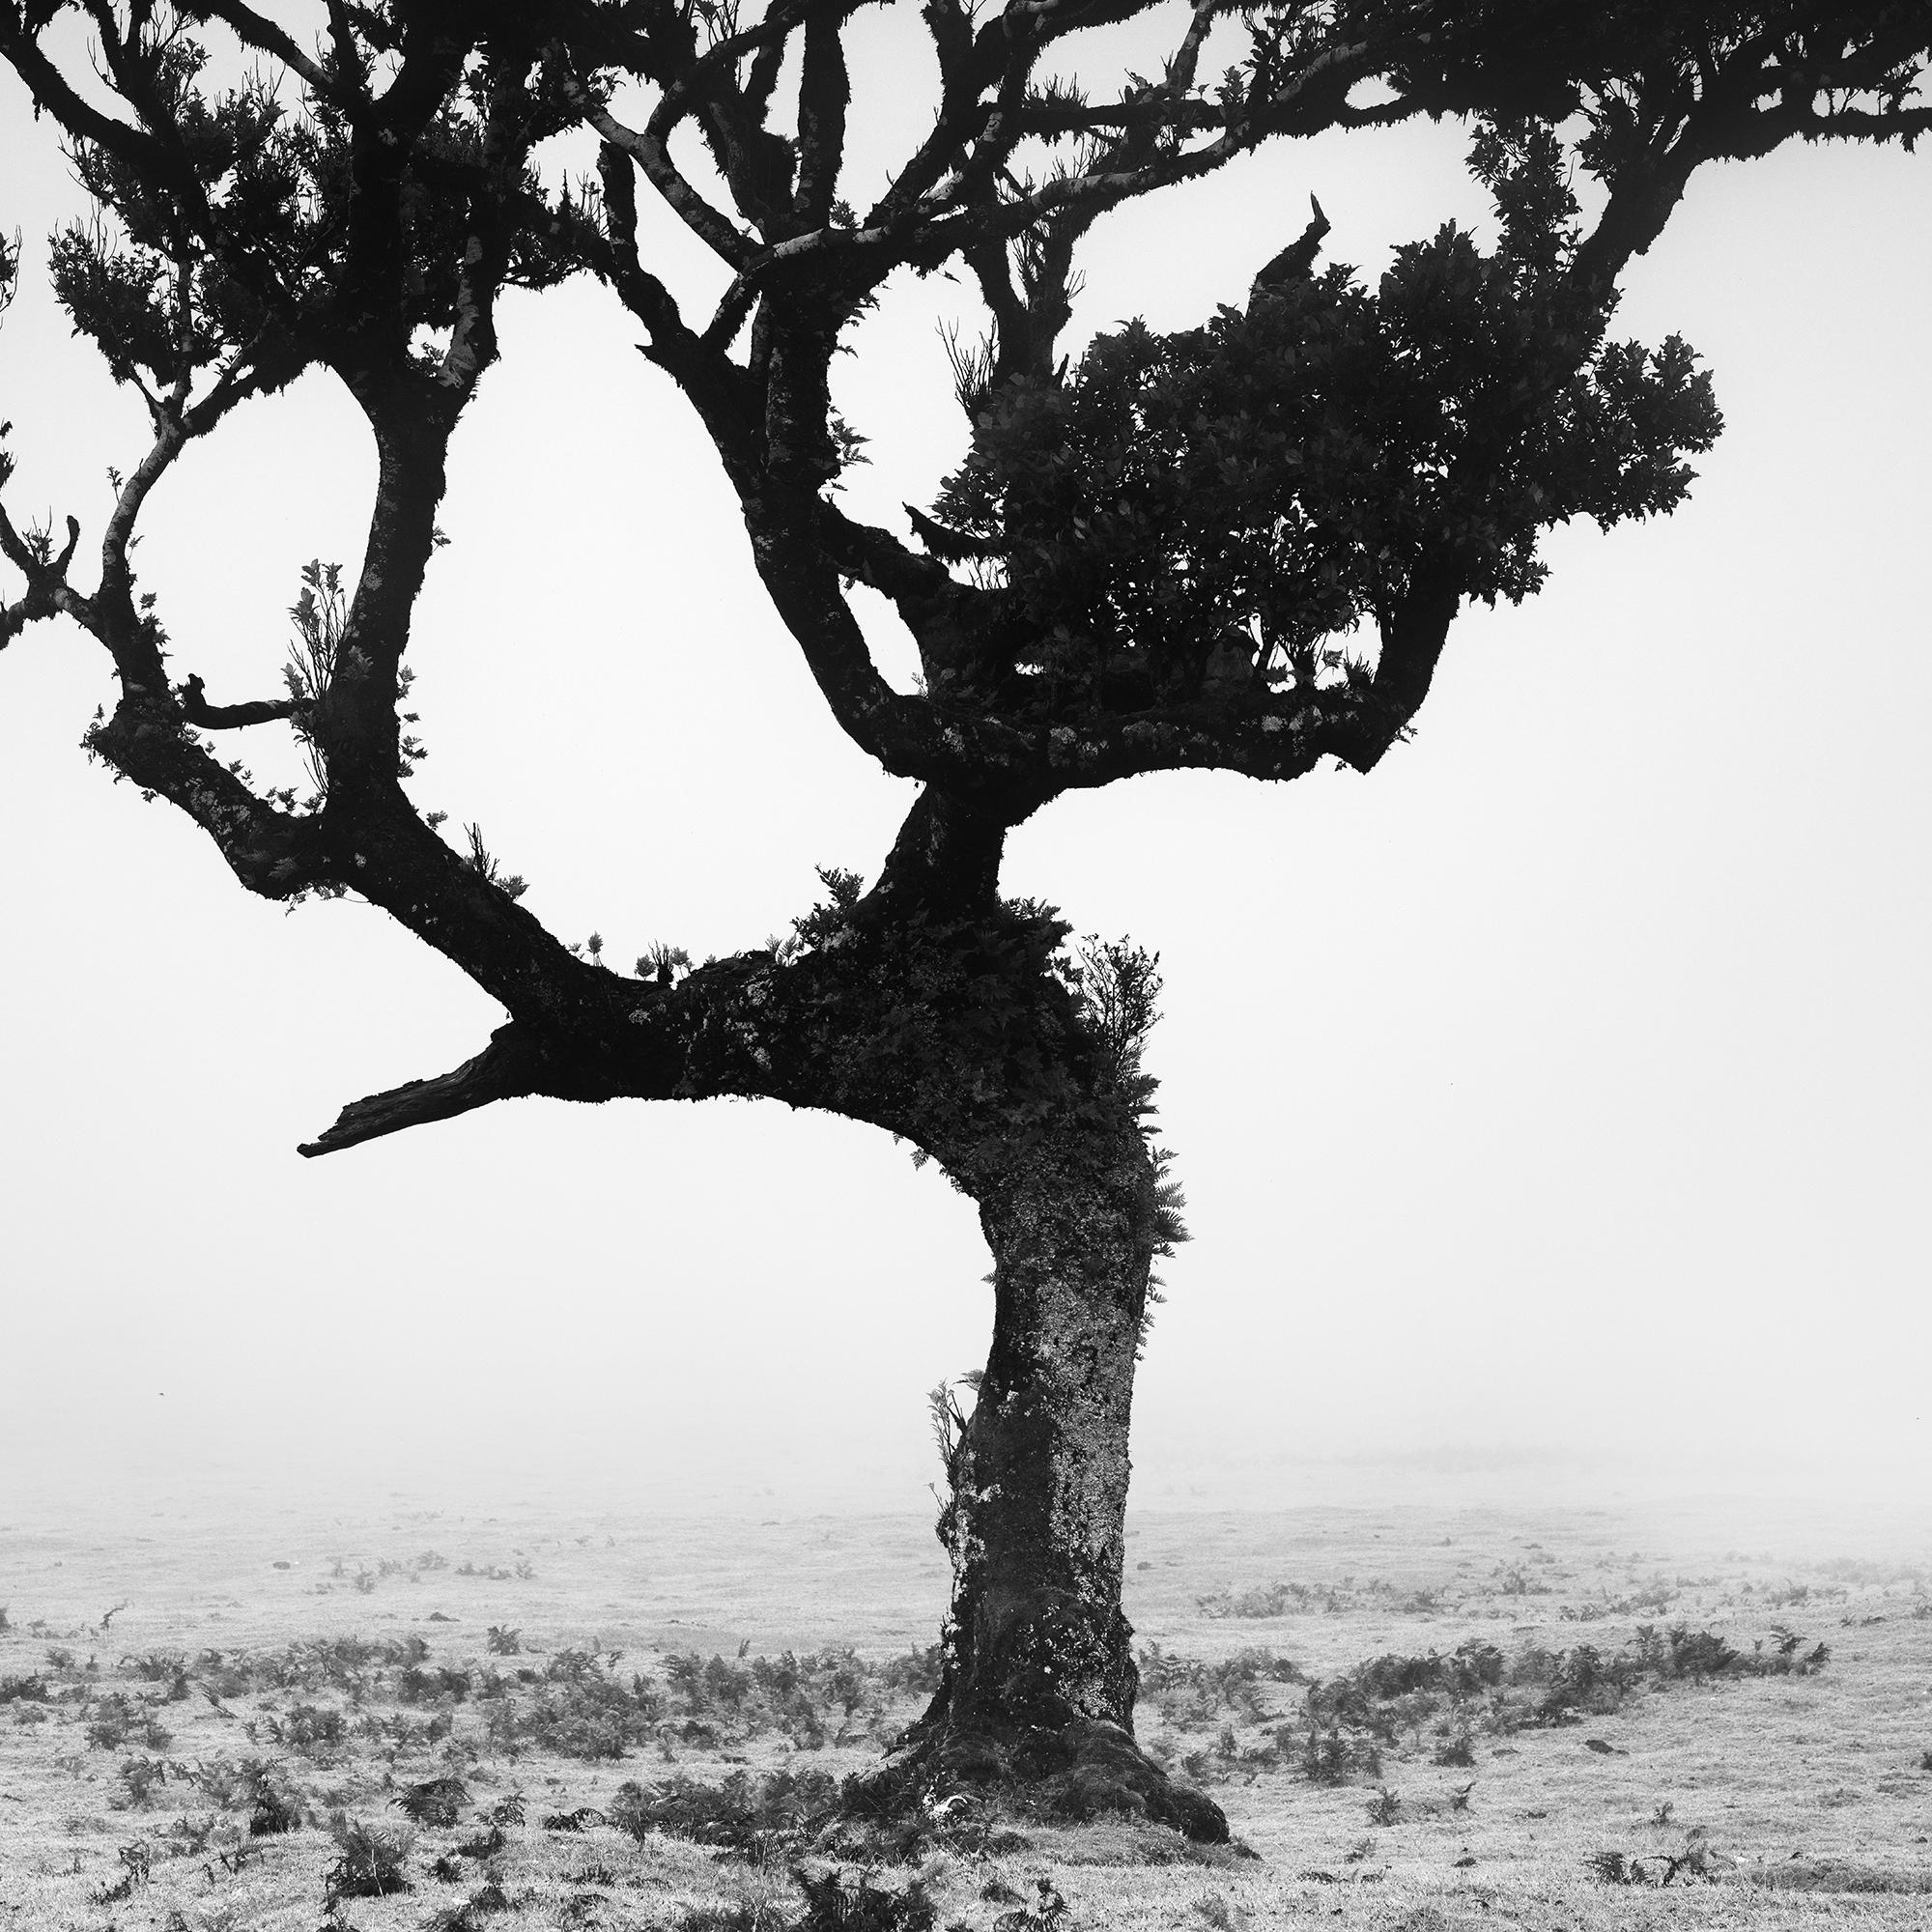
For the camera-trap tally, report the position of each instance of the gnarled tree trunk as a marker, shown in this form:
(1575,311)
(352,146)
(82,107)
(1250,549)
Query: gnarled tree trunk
(1039,1681)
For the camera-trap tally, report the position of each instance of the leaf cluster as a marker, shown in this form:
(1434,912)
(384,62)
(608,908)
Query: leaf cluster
(1557,61)
(1201,513)
(234,233)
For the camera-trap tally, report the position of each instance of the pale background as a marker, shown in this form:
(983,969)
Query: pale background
(1551,1106)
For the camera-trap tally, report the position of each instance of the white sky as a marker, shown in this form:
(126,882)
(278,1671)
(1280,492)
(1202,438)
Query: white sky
(1556,1093)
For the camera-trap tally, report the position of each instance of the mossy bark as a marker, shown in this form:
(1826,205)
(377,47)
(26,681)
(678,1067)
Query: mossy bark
(1038,1680)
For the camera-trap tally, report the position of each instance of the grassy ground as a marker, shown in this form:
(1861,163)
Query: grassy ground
(1413,1718)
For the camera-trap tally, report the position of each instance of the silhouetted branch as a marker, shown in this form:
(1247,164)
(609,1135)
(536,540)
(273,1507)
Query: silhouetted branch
(504,1071)
(197,710)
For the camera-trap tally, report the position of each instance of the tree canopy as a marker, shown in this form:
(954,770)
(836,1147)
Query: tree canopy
(1240,547)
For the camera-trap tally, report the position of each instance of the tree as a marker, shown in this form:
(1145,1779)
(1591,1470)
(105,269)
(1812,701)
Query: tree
(1240,547)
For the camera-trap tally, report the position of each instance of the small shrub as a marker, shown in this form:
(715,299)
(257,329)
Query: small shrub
(1277,1600)
(400,1734)
(437,1802)
(741,1915)
(115,1720)
(803,1725)
(169,1666)
(1332,1757)
(417,1684)
(369,1860)
(137,1864)
(1385,1806)
(1043,1913)
(1699,1654)
(591,1719)
(191,1836)
(917,1673)
(141,1778)
(1615,1867)
(316,1730)
(726,1684)
(258,1786)
(833,1905)
(744,1814)
(468,1914)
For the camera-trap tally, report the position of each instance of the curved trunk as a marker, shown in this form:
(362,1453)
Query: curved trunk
(1038,1682)
(1036,1525)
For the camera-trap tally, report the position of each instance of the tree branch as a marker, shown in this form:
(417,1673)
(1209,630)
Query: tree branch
(49,89)
(1296,261)
(197,710)
(48,592)
(824,92)
(383,141)
(257,31)
(485,254)
(505,1069)
(716,230)
(116,577)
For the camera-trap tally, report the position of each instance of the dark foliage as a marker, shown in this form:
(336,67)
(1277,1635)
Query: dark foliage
(435,1802)
(258,1786)
(844,1900)
(1353,1720)
(1281,476)
(369,1860)
(745,1813)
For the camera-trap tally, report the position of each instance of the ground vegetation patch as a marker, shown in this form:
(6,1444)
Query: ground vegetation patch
(1420,1744)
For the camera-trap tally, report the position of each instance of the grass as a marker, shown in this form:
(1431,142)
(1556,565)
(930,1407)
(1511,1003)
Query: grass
(1428,1746)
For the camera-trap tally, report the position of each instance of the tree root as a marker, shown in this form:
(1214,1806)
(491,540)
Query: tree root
(1064,1773)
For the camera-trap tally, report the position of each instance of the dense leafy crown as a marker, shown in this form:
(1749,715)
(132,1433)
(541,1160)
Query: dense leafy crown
(1212,512)
(1240,546)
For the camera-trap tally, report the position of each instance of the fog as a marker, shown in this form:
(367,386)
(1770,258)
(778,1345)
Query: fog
(1552,1103)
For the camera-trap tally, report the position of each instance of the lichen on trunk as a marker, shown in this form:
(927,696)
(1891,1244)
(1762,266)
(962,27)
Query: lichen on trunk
(1038,1680)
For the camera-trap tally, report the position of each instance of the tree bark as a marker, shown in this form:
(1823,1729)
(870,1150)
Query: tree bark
(1039,1679)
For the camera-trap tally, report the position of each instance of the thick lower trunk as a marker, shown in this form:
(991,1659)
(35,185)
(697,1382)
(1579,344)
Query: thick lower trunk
(1039,1680)
(1037,1521)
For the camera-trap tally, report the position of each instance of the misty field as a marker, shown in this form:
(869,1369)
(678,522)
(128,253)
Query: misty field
(1413,1718)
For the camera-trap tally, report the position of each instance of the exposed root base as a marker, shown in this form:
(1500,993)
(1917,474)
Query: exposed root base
(1067,1773)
